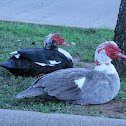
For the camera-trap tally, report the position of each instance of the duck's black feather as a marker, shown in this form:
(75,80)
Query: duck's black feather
(25,64)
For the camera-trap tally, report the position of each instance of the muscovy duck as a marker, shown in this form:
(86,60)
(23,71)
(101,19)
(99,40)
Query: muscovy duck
(81,85)
(35,61)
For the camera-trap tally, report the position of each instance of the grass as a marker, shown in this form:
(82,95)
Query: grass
(16,36)
(78,64)
(20,36)
(94,108)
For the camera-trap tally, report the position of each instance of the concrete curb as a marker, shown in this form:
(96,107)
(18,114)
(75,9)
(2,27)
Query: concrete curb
(29,118)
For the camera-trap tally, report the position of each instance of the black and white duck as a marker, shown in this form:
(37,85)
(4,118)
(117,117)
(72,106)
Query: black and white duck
(35,61)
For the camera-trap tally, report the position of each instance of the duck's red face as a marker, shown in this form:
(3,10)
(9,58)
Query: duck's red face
(112,50)
(59,40)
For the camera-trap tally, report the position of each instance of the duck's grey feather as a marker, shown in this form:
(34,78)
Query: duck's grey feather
(30,92)
(97,88)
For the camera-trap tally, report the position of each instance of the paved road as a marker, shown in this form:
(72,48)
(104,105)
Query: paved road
(25,118)
(75,13)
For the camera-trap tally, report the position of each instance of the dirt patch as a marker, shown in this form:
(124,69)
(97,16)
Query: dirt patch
(113,109)
(79,63)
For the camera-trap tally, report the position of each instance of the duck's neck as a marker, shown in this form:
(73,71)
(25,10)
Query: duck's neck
(106,68)
(54,48)
(65,53)
(103,63)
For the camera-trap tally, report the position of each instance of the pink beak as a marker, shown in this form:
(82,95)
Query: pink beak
(120,55)
(65,44)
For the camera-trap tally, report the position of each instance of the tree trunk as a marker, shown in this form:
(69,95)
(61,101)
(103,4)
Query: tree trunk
(120,38)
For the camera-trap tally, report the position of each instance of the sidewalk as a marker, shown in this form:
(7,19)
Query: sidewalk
(74,13)
(29,118)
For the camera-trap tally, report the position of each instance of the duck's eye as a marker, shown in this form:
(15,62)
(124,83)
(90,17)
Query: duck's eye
(57,36)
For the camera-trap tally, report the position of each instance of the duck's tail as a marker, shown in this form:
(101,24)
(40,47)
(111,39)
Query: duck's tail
(30,92)
(6,64)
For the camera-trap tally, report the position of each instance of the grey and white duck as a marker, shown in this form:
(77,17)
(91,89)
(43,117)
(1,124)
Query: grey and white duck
(81,85)
(35,61)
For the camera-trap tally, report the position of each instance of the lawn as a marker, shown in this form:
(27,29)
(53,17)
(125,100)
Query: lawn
(17,36)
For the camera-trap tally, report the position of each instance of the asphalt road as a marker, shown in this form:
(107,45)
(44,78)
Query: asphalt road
(75,13)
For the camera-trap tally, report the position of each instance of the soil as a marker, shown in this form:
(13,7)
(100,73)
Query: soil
(114,109)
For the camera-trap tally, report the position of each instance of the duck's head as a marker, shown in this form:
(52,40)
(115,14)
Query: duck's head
(107,51)
(53,40)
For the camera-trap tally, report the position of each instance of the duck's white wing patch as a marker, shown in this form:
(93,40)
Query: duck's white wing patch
(65,53)
(52,63)
(80,82)
(14,52)
(41,64)
(17,56)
